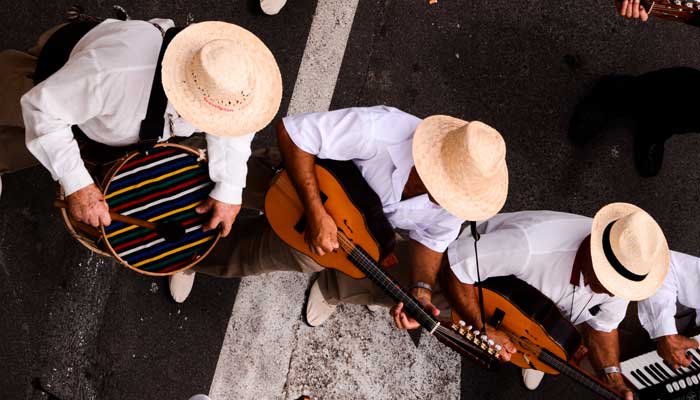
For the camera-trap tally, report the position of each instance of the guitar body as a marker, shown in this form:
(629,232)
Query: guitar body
(532,321)
(285,212)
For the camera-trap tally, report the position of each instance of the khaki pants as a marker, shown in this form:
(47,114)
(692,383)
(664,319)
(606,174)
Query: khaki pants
(16,78)
(339,288)
(253,248)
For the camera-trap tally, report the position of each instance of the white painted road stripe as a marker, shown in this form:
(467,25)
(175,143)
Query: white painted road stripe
(262,331)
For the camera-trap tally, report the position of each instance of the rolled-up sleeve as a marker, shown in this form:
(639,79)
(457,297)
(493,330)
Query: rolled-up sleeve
(346,134)
(228,157)
(610,315)
(70,96)
(657,313)
(502,252)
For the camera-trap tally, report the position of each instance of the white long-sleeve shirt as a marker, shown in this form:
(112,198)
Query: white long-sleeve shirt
(682,285)
(379,141)
(539,248)
(104,88)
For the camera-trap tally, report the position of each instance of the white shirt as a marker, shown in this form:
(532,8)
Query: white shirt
(682,285)
(104,88)
(379,141)
(539,248)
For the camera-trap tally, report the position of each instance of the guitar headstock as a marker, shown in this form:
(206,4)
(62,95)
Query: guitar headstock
(470,343)
(678,10)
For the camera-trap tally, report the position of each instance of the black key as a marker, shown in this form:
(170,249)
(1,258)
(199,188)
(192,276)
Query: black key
(660,371)
(653,374)
(646,379)
(638,377)
(675,372)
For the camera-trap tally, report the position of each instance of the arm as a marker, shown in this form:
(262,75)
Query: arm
(321,233)
(71,96)
(657,316)
(228,157)
(425,265)
(604,351)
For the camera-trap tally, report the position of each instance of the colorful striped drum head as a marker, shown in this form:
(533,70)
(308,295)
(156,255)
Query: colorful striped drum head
(167,184)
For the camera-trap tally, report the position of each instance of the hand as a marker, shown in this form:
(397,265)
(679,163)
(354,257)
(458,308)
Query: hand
(402,320)
(322,233)
(221,213)
(499,337)
(617,384)
(673,348)
(632,9)
(88,205)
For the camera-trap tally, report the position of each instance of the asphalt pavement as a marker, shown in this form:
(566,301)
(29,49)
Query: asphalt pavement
(77,326)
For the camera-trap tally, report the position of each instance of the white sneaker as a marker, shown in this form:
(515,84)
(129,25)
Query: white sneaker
(200,397)
(181,285)
(532,378)
(317,308)
(272,7)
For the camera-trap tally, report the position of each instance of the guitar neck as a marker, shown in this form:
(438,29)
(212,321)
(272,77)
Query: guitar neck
(578,376)
(370,268)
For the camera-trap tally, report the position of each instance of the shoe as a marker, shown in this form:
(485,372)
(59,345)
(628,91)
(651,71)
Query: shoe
(317,309)
(181,285)
(272,7)
(373,308)
(648,158)
(200,397)
(532,378)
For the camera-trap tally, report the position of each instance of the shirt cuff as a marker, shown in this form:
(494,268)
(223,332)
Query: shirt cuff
(227,193)
(75,181)
(664,328)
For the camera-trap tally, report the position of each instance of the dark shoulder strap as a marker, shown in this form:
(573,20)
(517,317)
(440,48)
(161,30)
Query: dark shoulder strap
(152,126)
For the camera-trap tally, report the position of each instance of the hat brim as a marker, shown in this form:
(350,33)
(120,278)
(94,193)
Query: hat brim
(472,200)
(613,282)
(265,102)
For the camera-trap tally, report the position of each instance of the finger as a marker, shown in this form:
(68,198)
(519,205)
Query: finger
(212,224)
(94,220)
(396,314)
(623,8)
(434,311)
(226,227)
(691,343)
(628,10)
(204,207)
(505,356)
(635,9)
(643,15)
(105,219)
(319,251)
(629,395)
(408,323)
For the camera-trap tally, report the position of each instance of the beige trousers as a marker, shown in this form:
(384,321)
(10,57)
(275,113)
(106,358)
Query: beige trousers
(16,78)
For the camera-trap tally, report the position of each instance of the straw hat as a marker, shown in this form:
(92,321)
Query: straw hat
(463,165)
(222,79)
(629,251)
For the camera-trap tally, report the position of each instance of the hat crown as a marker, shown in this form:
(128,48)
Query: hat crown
(221,73)
(636,240)
(475,149)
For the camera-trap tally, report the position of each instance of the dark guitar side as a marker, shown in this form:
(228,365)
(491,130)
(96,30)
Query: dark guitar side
(531,319)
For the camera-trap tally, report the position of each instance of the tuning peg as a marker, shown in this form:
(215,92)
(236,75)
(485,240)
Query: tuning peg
(476,332)
(491,343)
(484,338)
(469,328)
(677,2)
(498,347)
(462,324)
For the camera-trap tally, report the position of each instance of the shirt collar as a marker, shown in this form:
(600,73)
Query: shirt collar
(401,155)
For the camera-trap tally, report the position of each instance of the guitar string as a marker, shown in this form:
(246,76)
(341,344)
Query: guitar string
(369,267)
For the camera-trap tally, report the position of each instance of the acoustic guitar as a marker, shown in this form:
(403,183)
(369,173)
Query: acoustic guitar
(544,338)
(361,228)
(674,10)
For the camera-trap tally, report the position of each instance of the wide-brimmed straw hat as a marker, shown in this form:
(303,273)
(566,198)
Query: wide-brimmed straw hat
(463,166)
(222,79)
(629,251)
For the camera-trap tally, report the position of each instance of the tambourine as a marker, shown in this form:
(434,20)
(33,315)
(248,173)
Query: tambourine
(162,186)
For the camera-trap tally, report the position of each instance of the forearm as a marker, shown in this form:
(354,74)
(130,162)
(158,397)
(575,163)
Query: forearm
(463,298)
(300,167)
(603,348)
